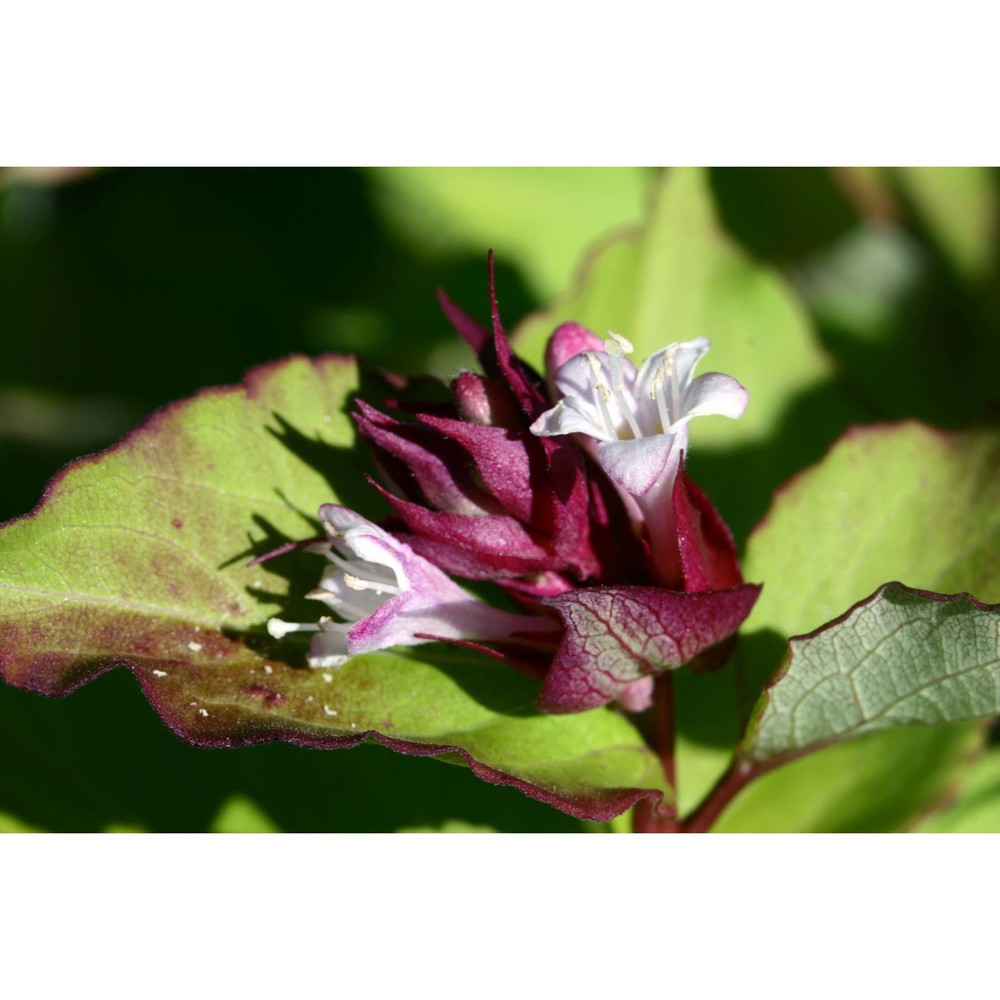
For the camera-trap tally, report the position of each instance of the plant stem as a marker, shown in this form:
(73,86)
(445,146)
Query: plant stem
(662,818)
(666,728)
(740,773)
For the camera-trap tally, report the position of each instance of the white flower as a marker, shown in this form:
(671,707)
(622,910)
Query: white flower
(386,595)
(638,419)
(635,422)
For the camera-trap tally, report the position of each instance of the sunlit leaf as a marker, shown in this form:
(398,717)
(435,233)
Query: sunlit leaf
(539,217)
(975,808)
(960,207)
(138,557)
(876,784)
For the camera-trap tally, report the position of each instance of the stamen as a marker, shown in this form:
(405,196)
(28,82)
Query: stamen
(353,565)
(379,586)
(601,394)
(279,629)
(656,391)
(622,342)
(675,400)
(344,607)
(616,362)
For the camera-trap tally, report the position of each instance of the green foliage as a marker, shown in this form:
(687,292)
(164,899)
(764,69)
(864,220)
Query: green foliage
(824,546)
(540,217)
(976,807)
(135,557)
(885,308)
(899,658)
(681,277)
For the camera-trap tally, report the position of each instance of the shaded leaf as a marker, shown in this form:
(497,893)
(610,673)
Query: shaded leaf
(137,557)
(449,826)
(72,775)
(901,657)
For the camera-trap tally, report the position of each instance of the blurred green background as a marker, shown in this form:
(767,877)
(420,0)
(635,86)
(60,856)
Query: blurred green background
(121,290)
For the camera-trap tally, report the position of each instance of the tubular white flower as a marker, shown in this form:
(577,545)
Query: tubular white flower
(384,594)
(636,421)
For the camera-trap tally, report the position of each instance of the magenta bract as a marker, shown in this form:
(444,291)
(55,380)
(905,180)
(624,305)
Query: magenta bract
(615,636)
(478,493)
(572,494)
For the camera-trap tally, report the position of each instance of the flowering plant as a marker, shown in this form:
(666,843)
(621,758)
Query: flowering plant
(516,570)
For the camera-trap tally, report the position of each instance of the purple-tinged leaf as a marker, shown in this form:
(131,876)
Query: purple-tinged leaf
(617,635)
(138,557)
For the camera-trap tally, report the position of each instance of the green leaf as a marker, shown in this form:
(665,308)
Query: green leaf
(976,807)
(11,824)
(899,502)
(240,814)
(449,826)
(138,557)
(901,657)
(960,208)
(877,784)
(538,217)
(679,277)
(902,502)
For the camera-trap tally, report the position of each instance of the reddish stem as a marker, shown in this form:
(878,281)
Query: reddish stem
(662,817)
(666,729)
(740,773)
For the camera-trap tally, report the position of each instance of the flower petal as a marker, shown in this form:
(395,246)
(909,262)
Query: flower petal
(570,416)
(636,466)
(329,650)
(716,394)
(684,358)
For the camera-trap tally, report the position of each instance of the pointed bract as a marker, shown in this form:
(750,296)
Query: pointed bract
(480,494)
